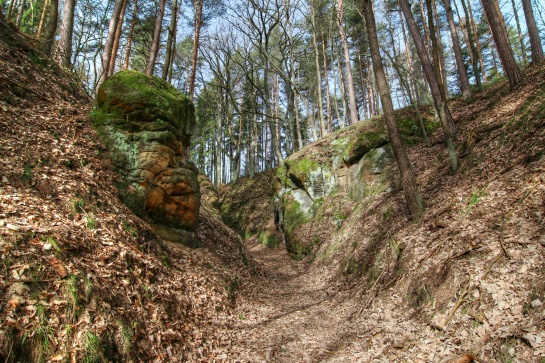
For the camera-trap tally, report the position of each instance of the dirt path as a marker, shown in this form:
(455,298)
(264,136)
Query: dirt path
(292,317)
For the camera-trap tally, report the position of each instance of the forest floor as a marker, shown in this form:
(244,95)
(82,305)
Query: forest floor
(464,281)
(84,279)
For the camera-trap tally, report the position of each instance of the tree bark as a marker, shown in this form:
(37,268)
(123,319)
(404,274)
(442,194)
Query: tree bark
(156,39)
(171,36)
(472,49)
(326,81)
(408,180)
(535,42)
(429,73)
(477,42)
(129,37)
(64,47)
(353,108)
(462,74)
(51,28)
(501,39)
(519,32)
(196,38)
(42,19)
(107,54)
(323,130)
(115,47)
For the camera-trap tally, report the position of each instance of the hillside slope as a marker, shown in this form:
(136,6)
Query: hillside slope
(467,278)
(82,278)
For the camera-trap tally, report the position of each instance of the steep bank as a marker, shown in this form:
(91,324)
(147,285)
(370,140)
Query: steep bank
(83,279)
(465,278)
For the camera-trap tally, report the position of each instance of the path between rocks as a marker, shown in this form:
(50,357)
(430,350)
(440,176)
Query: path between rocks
(292,316)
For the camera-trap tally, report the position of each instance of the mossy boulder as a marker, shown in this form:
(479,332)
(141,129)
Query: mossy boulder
(363,143)
(147,124)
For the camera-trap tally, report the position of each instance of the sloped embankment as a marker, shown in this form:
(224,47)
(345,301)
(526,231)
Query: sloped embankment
(465,279)
(84,279)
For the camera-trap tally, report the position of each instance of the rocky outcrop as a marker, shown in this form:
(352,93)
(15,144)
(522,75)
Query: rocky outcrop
(146,124)
(352,161)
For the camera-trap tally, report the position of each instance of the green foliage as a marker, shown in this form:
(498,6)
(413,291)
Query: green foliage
(91,222)
(129,229)
(93,349)
(294,217)
(474,199)
(268,239)
(78,206)
(26,176)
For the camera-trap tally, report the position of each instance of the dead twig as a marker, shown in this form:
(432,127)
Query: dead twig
(460,301)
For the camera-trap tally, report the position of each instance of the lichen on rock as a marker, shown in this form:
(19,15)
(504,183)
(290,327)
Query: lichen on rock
(146,124)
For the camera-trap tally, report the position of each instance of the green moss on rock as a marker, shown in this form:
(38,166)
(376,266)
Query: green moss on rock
(363,143)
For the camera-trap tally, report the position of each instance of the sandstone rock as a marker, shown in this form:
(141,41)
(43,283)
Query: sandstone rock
(146,124)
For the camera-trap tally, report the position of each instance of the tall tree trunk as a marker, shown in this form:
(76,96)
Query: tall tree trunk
(408,180)
(501,38)
(462,74)
(50,28)
(477,42)
(471,46)
(171,36)
(42,19)
(108,46)
(20,12)
(196,39)
(535,42)
(64,47)
(440,48)
(129,37)
(115,47)
(326,81)
(323,129)
(519,32)
(353,108)
(440,105)
(156,39)
(435,52)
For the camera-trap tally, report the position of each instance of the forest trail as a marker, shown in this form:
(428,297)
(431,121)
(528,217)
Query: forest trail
(293,316)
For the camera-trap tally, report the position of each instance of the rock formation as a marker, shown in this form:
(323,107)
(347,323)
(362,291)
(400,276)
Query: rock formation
(353,161)
(146,124)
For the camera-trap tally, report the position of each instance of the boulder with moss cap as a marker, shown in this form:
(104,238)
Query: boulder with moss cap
(146,124)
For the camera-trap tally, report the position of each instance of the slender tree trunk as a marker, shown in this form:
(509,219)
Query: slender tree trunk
(471,46)
(477,42)
(64,47)
(196,39)
(51,28)
(408,180)
(42,19)
(129,37)
(323,129)
(501,38)
(353,108)
(115,47)
(171,35)
(20,12)
(440,105)
(441,48)
(462,74)
(108,46)
(535,42)
(435,52)
(156,39)
(326,79)
(343,81)
(519,32)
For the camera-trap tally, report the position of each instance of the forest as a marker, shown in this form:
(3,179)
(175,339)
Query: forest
(269,76)
(272,181)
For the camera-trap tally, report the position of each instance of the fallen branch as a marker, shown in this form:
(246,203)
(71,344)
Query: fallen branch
(460,301)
